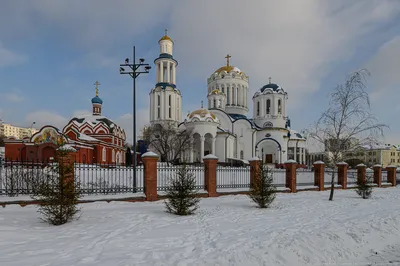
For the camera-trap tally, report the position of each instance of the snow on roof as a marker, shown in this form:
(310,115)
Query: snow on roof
(86,137)
(294,135)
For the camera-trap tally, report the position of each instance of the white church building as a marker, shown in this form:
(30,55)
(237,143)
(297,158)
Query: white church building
(224,128)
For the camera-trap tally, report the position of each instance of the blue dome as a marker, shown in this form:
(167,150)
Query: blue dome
(272,86)
(97,99)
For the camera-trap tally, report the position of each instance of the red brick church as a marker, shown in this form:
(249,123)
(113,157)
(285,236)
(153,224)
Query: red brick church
(96,139)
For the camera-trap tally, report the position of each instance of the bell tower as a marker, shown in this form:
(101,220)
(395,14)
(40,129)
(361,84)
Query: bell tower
(165,98)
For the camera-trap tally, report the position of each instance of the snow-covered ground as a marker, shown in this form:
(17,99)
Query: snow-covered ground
(300,229)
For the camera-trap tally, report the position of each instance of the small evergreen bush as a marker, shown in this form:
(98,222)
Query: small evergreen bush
(364,187)
(262,191)
(182,193)
(57,192)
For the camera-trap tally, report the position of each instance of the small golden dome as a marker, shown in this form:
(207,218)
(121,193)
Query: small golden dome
(166,37)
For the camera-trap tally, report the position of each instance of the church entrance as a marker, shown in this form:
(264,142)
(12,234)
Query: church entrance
(48,153)
(268,158)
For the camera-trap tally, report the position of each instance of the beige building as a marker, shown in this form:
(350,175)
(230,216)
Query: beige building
(9,130)
(386,154)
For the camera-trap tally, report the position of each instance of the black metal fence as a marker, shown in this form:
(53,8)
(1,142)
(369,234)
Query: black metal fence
(19,178)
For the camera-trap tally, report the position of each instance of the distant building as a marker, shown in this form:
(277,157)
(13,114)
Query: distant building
(9,130)
(96,138)
(370,155)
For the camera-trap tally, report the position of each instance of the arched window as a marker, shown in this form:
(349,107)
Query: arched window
(169,107)
(215,103)
(113,156)
(279,106)
(158,106)
(104,155)
(258,108)
(268,106)
(241,155)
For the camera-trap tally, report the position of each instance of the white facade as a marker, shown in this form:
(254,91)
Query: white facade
(165,98)
(224,129)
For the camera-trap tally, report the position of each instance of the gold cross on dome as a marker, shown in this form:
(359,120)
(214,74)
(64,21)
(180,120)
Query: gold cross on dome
(227,59)
(166,32)
(97,87)
(269,80)
(201,104)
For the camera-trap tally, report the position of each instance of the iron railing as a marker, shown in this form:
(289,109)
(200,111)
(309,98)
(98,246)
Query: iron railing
(20,178)
(166,172)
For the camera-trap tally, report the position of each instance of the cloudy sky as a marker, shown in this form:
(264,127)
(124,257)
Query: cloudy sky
(51,53)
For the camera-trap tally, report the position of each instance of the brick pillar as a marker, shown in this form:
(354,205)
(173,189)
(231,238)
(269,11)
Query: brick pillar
(342,174)
(150,175)
(391,174)
(378,175)
(210,174)
(255,168)
(291,166)
(361,172)
(319,175)
(65,157)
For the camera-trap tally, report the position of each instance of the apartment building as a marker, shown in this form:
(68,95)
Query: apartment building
(9,130)
(382,154)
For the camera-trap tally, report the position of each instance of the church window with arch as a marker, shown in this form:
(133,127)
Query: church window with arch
(268,106)
(279,106)
(169,107)
(215,103)
(158,106)
(258,108)
(268,124)
(241,155)
(113,156)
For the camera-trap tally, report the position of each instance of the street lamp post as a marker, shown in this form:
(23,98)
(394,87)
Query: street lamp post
(134,71)
(32,127)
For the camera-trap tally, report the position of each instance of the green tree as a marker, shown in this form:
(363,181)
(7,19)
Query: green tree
(262,191)
(182,193)
(57,191)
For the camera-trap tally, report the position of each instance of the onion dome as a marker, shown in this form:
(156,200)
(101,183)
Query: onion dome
(216,92)
(269,88)
(228,68)
(202,115)
(165,38)
(97,100)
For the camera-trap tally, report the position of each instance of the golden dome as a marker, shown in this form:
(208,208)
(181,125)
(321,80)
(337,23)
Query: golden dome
(216,92)
(202,113)
(166,37)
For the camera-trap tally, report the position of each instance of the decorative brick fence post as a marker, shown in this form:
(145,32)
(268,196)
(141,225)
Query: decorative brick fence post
(150,175)
(342,174)
(361,172)
(210,174)
(319,175)
(378,175)
(290,166)
(65,157)
(391,174)
(255,168)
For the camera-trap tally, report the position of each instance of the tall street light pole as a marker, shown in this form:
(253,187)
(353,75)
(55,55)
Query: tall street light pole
(134,71)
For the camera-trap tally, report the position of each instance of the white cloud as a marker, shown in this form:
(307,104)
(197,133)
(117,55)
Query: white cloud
(385,65)
(12,97)
(10,58)
(43,118)
(126,122)
(296,46)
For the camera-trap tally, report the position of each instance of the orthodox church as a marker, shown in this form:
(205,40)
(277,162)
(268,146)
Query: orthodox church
(95,138)
(224,128)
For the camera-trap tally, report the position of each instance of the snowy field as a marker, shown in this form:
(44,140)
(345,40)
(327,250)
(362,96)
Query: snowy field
(300,229)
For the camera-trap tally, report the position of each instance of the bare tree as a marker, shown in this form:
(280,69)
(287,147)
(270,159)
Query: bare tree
(169,141)
(348,123)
